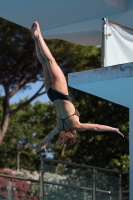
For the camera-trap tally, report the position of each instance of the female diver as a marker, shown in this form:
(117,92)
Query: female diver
(57,91)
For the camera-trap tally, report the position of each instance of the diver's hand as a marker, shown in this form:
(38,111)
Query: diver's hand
(44,148)
(40,147)
(118,132)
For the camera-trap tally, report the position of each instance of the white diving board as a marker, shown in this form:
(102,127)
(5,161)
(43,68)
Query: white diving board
(113,83)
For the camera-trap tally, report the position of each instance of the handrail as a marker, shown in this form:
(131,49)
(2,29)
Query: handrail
(82,188)
(65,185)
(125,191)
(83,166)
(17,177)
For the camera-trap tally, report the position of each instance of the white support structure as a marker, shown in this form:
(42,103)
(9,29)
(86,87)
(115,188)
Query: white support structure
(131,151)
(117,44)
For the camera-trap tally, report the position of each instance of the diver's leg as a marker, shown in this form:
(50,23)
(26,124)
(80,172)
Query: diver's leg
(57,77)
(47,77)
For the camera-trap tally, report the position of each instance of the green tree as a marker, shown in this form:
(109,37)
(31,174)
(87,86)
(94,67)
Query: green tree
(100,149)
(19,66)
(26,128)
(30,125)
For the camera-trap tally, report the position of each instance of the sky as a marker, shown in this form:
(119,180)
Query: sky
(27,93)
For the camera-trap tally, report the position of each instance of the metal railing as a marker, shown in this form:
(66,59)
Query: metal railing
(41,184)
(11,189)
(94,189)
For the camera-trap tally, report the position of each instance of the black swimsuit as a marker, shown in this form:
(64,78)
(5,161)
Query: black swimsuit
(55,95)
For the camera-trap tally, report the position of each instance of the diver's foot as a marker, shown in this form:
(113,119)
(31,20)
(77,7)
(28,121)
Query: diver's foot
(35,30)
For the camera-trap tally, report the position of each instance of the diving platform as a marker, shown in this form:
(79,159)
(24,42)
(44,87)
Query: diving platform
(114,84)
(111,83)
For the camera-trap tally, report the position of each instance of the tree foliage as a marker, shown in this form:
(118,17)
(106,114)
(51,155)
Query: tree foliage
(30,125)
(25,130)
(18,68)
(96,148)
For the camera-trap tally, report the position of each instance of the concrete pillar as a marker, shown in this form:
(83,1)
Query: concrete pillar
(131,151)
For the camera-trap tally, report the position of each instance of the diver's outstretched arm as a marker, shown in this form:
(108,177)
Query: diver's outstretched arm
(47,139)
(98,128)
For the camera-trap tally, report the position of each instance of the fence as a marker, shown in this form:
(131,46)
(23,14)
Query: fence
(14,188)
(65,183)
(69,184)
